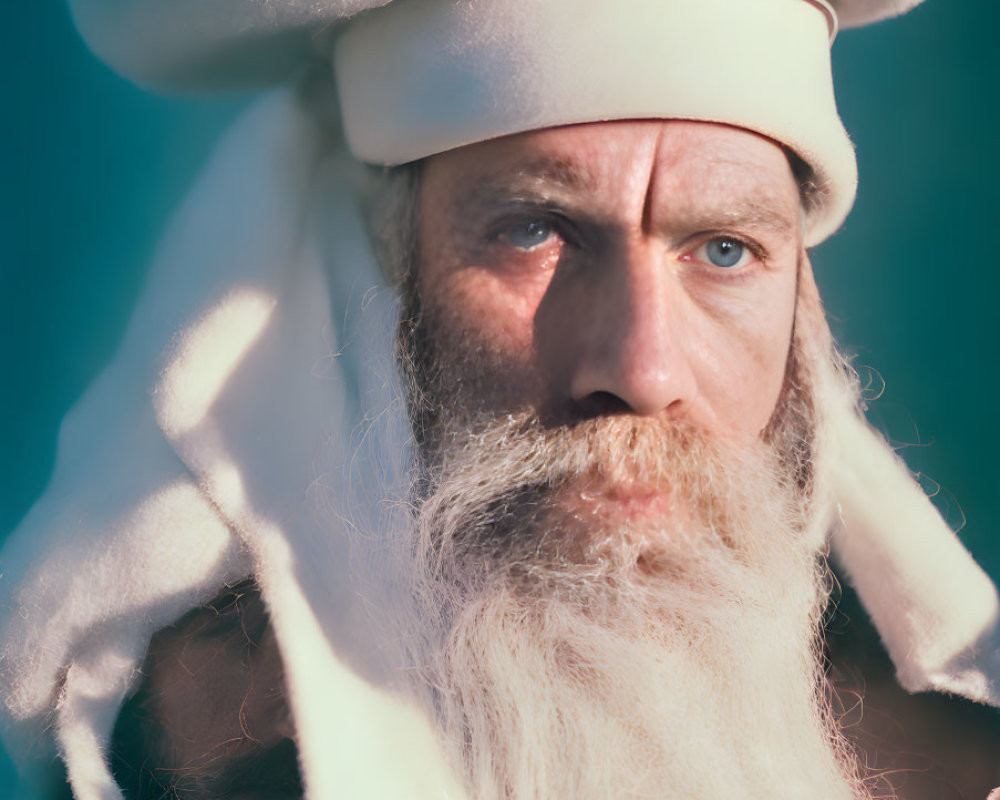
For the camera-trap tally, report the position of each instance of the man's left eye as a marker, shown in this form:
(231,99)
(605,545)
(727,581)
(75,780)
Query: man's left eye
(725,252)
(529,234)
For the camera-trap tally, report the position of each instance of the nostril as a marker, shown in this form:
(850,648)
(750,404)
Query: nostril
(600,404)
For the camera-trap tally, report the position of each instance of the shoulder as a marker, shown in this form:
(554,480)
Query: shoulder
(920,747)
(210,718)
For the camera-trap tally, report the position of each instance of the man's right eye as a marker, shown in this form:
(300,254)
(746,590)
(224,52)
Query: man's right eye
(529,234)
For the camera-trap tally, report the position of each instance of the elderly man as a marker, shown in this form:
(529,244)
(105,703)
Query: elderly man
(571,544)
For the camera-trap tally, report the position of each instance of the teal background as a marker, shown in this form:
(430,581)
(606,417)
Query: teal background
(90,168)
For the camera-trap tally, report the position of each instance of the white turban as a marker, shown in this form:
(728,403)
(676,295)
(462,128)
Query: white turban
(249,423)
(416,78)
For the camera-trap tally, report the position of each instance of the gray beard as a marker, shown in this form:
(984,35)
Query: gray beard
(562,656)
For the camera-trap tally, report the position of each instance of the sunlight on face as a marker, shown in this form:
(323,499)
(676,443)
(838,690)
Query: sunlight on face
(611,583)
(647,267)
(643,268)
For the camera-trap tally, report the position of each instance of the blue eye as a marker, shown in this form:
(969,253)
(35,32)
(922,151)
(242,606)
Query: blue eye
(528,235)
(725,252)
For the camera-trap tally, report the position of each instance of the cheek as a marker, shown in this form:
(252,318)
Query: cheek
(483,336)
(475,303)
(480,290)
(491,308)
(741,358)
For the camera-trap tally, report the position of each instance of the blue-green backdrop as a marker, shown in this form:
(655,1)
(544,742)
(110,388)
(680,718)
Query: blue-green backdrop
(90,168)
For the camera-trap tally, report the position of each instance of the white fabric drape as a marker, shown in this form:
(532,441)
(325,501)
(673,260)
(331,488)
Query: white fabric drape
(250,423)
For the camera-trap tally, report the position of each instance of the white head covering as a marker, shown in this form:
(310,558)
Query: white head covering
(419,78)
(249,422)
(170,44)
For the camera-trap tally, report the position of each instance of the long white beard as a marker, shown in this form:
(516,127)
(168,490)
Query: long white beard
(628,698)
(674,660)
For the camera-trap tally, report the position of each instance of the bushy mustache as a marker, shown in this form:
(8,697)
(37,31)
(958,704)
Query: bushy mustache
(494,499)
(490,473)
(620,449)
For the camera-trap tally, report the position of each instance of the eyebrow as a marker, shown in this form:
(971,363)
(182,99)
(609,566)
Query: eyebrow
(538,181)
(748,213)
(762,209)
(552,171)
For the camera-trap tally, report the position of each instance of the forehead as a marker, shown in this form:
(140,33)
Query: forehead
(716,163)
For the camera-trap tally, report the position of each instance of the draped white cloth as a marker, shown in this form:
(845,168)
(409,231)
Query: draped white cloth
(197,44)
(251,424)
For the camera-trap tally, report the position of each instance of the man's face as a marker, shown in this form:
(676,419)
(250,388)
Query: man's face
(643,269)
(612,577)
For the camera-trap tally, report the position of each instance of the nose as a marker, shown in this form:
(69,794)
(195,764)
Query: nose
(622,345)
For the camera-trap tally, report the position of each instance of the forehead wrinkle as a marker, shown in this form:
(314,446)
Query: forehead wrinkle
(718,190)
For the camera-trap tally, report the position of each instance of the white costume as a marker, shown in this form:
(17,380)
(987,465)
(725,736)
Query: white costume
(250,422)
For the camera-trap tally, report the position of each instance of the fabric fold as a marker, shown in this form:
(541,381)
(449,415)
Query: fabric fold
(251,423)
(266,444)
